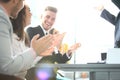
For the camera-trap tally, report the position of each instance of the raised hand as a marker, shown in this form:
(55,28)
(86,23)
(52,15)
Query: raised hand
(43,44)
(65,49)
(99,8)
(73,48)
(58,39)
(55,31)
(47,52)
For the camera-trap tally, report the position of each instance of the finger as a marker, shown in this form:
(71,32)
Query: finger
(33,41)
(75,46)
(46,38)
(48,52)
(35,37)
(78,44)
(56,32)
(47,41)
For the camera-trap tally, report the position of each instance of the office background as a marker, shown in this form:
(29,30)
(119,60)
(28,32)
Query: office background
(82,23)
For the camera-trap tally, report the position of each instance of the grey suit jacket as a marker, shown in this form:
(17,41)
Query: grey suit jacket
(9,64)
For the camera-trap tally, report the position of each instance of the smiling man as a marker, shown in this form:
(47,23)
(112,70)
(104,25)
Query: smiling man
(48,18)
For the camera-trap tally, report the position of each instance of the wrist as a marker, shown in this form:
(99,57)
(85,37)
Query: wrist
(33,52)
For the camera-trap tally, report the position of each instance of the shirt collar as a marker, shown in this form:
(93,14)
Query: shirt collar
(44,30)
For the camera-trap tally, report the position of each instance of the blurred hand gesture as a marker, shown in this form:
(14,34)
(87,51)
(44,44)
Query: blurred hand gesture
(54,31)
(58,39)
(99,8)
(42,44)
(49,51)
(73,48)
(65,48)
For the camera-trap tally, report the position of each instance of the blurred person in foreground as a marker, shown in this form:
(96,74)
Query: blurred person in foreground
(9,64)
(20,38)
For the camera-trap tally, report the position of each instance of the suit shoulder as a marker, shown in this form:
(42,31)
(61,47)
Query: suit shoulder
(36,27)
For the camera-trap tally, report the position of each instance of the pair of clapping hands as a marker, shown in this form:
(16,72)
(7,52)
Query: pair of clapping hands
(64,48)
(45,46)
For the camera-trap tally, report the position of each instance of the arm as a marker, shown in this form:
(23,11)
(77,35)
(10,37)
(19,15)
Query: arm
(108,16)
(8,64)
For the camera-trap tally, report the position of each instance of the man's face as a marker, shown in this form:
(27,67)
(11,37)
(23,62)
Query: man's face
(48,19)
(19,4)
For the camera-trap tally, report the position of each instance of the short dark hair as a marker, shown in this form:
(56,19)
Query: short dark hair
(50,8)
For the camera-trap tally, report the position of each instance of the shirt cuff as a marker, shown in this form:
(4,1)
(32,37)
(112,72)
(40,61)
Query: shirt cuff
(69,56)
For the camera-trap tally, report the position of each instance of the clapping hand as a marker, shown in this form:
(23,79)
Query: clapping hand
(58,39)
(73,48)
(99,8)
(42,44)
